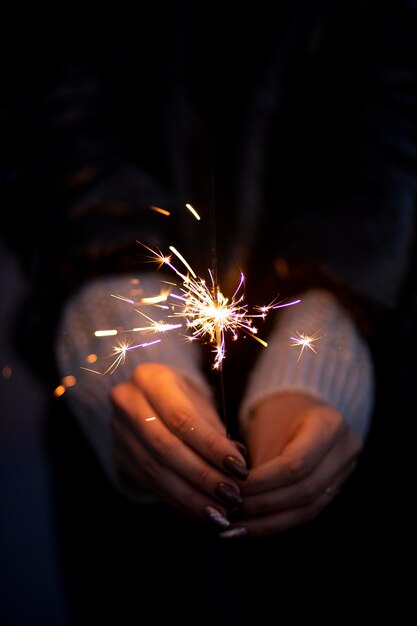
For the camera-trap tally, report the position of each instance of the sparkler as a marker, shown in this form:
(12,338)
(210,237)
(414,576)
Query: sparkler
(198,306)
(206,313)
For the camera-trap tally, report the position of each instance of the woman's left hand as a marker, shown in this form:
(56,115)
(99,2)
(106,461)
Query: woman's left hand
(301,453)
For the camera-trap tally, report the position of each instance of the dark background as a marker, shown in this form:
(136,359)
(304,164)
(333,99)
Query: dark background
(364,542)
(31,582)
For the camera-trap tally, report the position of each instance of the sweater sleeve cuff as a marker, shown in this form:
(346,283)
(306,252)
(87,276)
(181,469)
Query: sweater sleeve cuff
(93,308)
(338,372)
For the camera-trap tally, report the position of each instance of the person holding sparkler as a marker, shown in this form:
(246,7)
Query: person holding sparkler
(296,154)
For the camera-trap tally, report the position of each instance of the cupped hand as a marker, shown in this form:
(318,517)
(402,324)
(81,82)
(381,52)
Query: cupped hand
(302,452)
(169,438)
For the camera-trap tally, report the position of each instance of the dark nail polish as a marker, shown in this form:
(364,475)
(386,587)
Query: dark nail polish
(228,494)
(242,449)
(235,468)
(217,516)
(238,531)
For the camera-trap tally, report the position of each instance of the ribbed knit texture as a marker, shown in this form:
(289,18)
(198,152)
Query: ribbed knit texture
(340,373)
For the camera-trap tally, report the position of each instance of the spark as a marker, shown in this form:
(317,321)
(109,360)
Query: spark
(181,258)
(158,209)
(157,256)
(264,310)
(156,327)
(119,351)
(118,297)
(305,341)
(209,315)
(193,211)
(162,297)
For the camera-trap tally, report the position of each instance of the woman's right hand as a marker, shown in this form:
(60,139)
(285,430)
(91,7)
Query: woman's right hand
(169,438)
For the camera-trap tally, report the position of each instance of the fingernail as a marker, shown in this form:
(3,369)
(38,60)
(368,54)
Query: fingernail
(217,516)
(242,449)
(237,531)
(235,467)
(228,494)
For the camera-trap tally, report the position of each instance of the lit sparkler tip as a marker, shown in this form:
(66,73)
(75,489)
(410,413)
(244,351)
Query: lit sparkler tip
(208,314)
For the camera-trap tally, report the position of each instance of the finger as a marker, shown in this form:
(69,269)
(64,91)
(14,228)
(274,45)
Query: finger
(300,494)
(312,441)
(279,521)
(340,456)
(188,416)
(169,451)
(137,471)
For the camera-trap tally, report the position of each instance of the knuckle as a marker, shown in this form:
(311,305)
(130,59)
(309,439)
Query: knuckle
(180,421)
(333,422)
(252,507)
(148,470)
(204,478)
(140,373)
(308,492)
(145,372)
(211,442)
(164,447)
(297,468)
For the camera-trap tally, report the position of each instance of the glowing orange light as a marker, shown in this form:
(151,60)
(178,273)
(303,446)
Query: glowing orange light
(159,210)
(58,391)
(69,381)
(6,371)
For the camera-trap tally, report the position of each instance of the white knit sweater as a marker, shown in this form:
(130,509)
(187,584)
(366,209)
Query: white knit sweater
(340,373)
